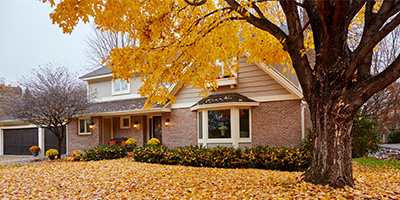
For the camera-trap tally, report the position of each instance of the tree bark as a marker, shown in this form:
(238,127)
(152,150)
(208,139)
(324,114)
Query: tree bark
(331,163)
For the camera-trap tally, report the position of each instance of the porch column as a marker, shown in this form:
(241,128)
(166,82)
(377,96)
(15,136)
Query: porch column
(1,142)
(235,126)
(41,141)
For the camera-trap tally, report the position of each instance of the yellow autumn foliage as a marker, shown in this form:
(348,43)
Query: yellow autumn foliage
(125,179)
(178,44)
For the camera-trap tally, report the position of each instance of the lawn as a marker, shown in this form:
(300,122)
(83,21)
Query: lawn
(125,179)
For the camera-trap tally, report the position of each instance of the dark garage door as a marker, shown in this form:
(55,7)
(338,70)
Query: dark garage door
(51,141)
(18,141)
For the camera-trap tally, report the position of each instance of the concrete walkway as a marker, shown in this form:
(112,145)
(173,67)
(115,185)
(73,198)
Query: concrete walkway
(391,146)
(17,159)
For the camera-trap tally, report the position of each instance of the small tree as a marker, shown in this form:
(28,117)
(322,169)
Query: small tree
(365,138)
(52,97)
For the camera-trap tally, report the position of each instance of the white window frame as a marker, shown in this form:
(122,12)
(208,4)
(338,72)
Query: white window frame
(235,127)
(122,122)
(121,91)
(87,132)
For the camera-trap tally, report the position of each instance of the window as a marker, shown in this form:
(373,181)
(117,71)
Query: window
(125,122)
(244,120)
(84,127)
(219,123)
(120,86)
(224,126)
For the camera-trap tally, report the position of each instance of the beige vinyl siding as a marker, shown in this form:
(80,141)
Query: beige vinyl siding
(136,82)
(253,82)
(104,87)
(288,74)
(100,88)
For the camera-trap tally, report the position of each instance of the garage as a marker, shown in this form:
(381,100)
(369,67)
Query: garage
(51,141)
(18,141)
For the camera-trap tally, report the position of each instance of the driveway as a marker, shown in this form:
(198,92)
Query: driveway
(15,159)
(391,146)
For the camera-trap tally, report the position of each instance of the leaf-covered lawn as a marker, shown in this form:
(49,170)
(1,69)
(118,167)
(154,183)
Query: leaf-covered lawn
(125,179)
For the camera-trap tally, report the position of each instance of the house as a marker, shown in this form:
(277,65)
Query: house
(258,106)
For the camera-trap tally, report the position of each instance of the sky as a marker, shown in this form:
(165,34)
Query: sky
(28,39)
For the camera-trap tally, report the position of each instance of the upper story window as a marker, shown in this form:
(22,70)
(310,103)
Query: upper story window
(120,87)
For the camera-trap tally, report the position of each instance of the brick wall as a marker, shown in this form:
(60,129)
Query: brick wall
(82,142)
(277,124)
(135,133)
(183,128)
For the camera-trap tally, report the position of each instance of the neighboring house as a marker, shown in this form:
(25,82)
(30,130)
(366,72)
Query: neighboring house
(258,106)
(16,137)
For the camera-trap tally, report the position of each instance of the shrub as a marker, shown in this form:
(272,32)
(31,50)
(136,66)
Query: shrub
(51,153)
(394,137)
(34,149)
(154,142)
(131,142)
(102,152)
(226,157)
(365,138)
(77,155)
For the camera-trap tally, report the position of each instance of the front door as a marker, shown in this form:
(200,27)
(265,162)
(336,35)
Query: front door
(107,130)
(155,127)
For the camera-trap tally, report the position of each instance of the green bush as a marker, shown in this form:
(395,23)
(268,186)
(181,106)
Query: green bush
(296,159)
(394,137)
(365,138)
(102,152)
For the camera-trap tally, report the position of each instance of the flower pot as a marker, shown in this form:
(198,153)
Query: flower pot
(129,148)
(52,157)
(35,153)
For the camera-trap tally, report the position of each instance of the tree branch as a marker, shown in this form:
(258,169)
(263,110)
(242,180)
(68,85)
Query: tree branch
(263,24)
(383,79)
(367,44)
(373,33)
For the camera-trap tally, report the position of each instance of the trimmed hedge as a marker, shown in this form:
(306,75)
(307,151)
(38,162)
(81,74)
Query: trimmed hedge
(394,137)
(102,152)
(295,159)
(365,139)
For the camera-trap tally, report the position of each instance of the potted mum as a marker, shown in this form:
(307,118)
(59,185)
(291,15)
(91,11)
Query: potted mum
(154,142)
(35,150)
(51,153)
(130,144)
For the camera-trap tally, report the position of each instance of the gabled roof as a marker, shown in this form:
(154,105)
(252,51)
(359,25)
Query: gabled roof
(118,106)
(98,72)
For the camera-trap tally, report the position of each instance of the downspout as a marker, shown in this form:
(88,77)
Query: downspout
(302,106)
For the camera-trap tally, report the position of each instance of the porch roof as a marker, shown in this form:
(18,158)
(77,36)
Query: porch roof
(224,98)
(118,106)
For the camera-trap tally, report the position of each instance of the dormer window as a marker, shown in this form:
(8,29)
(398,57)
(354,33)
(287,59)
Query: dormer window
(120,87)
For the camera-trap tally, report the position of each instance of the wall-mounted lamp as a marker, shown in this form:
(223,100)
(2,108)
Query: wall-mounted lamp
(167,122)
(91,125)
(135,124)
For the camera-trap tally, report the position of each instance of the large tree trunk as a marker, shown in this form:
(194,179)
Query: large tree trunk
(331,163)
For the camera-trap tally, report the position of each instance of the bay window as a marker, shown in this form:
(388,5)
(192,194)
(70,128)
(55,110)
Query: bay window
(224,126)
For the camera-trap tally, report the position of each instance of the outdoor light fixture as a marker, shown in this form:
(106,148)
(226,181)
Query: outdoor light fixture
(135,124)
(167,122)
(91,125)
